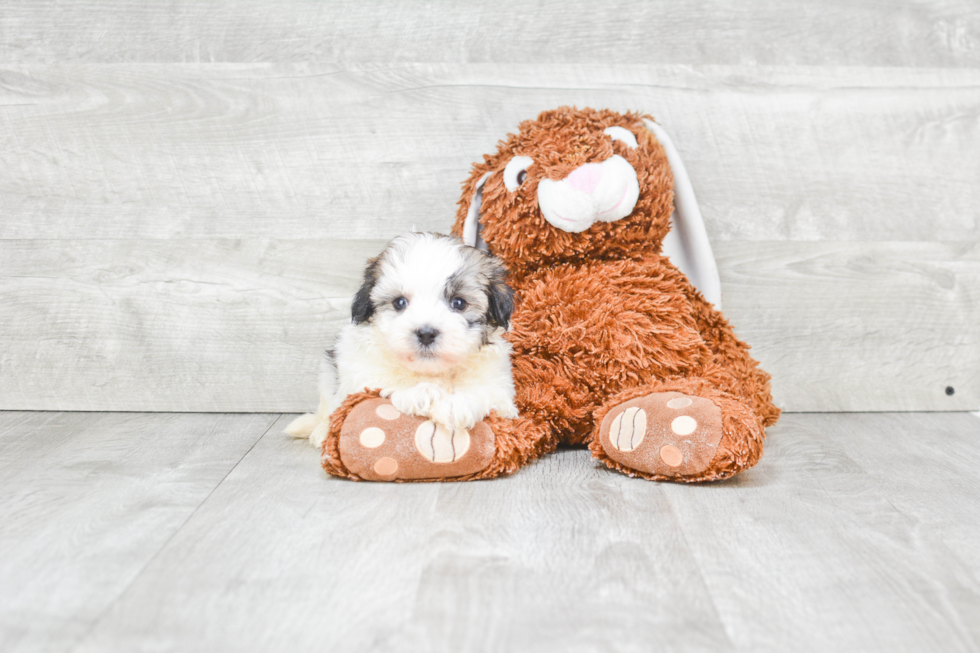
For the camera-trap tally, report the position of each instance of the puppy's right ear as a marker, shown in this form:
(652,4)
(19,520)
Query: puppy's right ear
(500,297)
(362,308)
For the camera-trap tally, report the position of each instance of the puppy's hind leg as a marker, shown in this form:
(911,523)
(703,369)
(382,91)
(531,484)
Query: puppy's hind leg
(303,426)
(315,425)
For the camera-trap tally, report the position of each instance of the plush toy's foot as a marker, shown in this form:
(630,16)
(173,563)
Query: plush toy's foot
(665,433)
(678,437)
(369,439)
(379,443)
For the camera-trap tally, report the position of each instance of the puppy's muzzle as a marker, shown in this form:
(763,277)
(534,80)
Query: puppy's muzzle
(426,335)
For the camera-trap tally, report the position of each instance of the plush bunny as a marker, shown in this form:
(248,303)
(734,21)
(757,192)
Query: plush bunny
(614,347)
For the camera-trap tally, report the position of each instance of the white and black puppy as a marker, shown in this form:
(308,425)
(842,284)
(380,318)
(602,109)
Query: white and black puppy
(427,330)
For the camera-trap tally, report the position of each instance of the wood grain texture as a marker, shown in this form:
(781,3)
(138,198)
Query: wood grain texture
(926,467)
(859,326)
(88,500)
(818,544)
(329,151)
(188,190)
(297,550)
(815,32)
(812,550)
(222,325)
(215,325)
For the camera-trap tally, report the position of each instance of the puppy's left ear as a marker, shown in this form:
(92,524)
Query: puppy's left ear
(500,298)
(362,308)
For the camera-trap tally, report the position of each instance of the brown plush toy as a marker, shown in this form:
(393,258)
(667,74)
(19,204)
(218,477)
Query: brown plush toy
(614,348)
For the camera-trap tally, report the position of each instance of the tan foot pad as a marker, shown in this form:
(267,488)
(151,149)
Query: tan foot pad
(667,433)
(378,443)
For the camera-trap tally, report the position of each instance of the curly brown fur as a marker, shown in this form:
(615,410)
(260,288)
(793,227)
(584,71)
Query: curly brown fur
(560,141)
(599,315)
(583,333)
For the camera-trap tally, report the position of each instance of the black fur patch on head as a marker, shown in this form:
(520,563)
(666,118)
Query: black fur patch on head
(362,308)
(500,296)
(455,284)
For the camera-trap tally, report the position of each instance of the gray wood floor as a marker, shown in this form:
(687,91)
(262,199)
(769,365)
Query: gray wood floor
(213,532)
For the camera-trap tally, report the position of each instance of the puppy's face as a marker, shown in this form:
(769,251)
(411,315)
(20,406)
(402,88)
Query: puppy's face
(432,300)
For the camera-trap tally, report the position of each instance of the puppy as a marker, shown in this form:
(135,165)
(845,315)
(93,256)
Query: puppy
(427,330)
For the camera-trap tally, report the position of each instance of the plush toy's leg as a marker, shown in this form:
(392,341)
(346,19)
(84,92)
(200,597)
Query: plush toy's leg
(685,431)
(369,439)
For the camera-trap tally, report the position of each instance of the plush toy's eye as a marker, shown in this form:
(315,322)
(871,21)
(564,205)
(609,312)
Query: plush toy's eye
(516,172)
(400,304)
(458,304)
(623,135)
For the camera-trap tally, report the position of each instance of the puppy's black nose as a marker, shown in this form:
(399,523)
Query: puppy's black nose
(427,335)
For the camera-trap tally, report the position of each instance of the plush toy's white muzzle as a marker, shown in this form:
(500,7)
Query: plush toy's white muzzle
(593,192)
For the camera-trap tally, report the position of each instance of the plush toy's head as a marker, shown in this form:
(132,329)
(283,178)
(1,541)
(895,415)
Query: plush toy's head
(573,185)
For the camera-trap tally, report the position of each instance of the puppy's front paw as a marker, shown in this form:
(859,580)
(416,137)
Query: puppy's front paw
(418,400)
(507,411)
(456,412)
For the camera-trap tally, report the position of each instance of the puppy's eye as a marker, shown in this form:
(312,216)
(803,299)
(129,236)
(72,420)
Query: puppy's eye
(458,304)
(400,304)
(623,135)
(515,173)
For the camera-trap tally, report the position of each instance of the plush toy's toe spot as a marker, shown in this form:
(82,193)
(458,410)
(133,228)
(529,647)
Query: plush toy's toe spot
(683,425)
(671,455)
(628,429)
(372,437)
(386,466)
(679,402)
(438,444)
(388,412)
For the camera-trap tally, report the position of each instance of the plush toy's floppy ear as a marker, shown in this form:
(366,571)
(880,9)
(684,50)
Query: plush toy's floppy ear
(471,228)
(686,244)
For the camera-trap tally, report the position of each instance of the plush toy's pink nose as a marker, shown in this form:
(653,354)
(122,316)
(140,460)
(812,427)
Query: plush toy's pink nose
(585,178)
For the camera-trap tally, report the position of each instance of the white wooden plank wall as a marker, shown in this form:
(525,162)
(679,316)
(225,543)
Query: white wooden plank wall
(188,190)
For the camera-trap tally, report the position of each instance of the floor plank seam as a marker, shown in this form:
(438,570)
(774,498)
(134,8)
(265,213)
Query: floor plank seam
(697,565)
(95,622)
